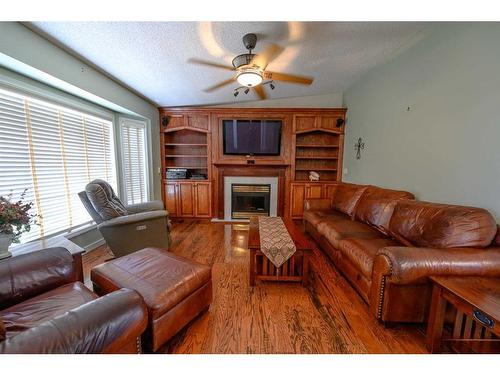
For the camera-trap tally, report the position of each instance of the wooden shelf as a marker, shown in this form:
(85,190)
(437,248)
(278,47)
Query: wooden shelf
(193,180)
(318,146)
(317,157)
(185,156)
(186,144)
(183,166)
(316,169)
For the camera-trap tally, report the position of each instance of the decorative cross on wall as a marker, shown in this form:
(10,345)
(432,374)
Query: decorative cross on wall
(360,145)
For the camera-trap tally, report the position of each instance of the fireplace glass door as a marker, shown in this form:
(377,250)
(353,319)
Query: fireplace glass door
(250,200)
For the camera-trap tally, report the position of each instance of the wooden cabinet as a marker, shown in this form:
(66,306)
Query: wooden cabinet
(302,191)
(171,198)
(329,122)
(191,138)
(198,121)
(188,198)
(304,122)
(202,193)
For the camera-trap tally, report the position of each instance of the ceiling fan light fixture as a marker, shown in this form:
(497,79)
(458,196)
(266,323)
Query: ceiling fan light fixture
(249,77)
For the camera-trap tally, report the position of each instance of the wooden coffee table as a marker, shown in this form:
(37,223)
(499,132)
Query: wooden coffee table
(295,269)
(476,302)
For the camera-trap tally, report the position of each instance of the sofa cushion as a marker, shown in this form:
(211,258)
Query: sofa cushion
(315,217)
(346,197)
(335,230)
(104,200)
(44,307)
(2,330)
(376,205)
(425,224)
(361,252)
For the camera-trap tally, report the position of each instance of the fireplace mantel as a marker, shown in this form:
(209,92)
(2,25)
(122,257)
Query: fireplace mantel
(245,170)
(256,164)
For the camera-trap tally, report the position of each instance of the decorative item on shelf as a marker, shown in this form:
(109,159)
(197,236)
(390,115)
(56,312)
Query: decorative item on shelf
(177,173)
(313,176)
(198,176)
(15,220)
(360,145)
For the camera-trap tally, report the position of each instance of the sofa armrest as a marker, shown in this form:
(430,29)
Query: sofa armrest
(104,325)
(145,206)
(318,204)
(133,218)
(410,265)
(28,275)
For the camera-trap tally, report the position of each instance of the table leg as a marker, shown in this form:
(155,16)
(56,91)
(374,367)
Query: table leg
(252,266)
(436,320)
(305,268)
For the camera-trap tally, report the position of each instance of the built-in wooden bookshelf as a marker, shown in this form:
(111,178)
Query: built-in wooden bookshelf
(187,148)
(192,138)
(317,150)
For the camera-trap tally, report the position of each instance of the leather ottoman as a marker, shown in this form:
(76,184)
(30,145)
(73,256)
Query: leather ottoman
(174,288)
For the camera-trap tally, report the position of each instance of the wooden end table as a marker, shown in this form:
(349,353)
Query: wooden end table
(295,269)
(476,328)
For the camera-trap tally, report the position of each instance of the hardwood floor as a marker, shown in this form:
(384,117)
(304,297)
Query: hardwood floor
(327,317)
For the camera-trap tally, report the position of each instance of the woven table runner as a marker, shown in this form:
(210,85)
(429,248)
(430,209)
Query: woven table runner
(275,241)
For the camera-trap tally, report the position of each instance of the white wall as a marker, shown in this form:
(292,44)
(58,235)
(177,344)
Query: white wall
(446,147)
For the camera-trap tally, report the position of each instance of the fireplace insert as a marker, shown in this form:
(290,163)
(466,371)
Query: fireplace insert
(250,200)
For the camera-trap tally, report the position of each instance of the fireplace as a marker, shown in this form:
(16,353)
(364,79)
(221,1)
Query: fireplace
(250,200)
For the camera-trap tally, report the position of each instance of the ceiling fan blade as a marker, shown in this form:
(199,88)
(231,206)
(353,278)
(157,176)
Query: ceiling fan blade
(260,91)
(288,78)
(219,85)
(209,63)
(265,57)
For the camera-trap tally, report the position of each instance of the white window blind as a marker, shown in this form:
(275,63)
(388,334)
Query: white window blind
(134,165)
(54,152)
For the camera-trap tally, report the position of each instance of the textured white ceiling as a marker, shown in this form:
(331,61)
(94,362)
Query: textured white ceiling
(151,57)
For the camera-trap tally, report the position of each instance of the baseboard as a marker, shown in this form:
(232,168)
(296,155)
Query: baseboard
(230,221)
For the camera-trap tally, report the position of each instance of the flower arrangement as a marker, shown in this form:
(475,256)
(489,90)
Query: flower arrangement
(15,218)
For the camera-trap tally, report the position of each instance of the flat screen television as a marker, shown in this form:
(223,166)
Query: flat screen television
(252,137)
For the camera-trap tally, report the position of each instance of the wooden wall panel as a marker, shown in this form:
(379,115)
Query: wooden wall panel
(209,120)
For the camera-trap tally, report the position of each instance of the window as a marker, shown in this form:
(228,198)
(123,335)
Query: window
(53,152)
(134,161)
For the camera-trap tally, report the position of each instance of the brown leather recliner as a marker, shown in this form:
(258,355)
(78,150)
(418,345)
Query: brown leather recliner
(387,245)
(44,308)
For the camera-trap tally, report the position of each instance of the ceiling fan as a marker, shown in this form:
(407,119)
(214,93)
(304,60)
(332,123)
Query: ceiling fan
(251,69)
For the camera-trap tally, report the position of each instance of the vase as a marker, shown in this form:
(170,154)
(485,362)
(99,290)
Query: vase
(5,242)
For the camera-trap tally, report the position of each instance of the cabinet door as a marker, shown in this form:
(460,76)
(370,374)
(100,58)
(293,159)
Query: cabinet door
(202,193)
(314,191)
(186,199)
(329,122)
(198,122)
(298,193)
(304,122)
(329,190)
(171,198)
(176,121)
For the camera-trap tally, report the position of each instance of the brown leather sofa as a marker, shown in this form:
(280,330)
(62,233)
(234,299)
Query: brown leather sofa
(45,308)
(387,245)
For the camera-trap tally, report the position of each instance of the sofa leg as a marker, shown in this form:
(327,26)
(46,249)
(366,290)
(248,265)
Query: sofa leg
(389,325)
